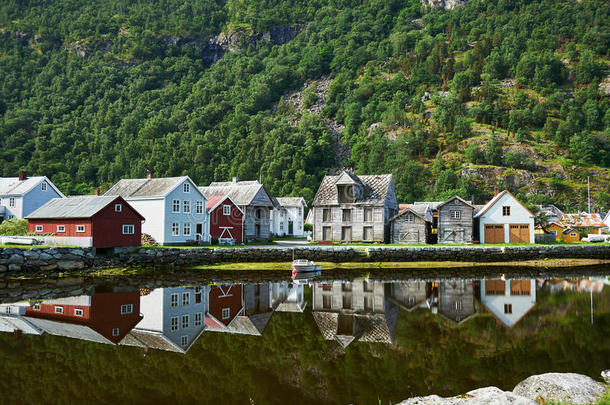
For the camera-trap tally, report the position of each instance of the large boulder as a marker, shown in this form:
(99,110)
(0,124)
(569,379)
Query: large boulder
(487,395)
(560,387)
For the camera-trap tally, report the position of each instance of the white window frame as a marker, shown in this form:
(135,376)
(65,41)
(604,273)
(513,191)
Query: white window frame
(186,229)
(126,309)
(78,312)
(79,228)
(186,299)
(198,319)
(186,206)
(59,309)
(129,229)
(39,228)
(185,321)
(226,209)
(226,313)
(43,186)
(184,341)
(507,207)
(61,229)
(456,214)
(186,187)
(118,207)
(410,218)
(198,207)
(116,332)
(11,202)
(175,229)
(173,300)
(174,323)
(37,306)
(176,206)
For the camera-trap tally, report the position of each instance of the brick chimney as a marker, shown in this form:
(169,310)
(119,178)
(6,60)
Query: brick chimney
(22,175)
(149,174)
(496,191)
(96,192)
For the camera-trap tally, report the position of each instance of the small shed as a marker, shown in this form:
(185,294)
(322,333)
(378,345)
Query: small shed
(88,221)
(455,219)
(412,225)
(226,219)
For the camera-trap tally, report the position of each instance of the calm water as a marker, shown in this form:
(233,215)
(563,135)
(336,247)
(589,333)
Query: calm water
(353,337)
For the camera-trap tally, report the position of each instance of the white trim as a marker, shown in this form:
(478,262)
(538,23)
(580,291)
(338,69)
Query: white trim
(186,187)
(59,309)
(126,309)
(118,207)
(186,206)
(177,228)
(228,313)
(78,312)
(225,208)
(38,228)
(43,186)
(79,228)
(175,203)
(116,332)
(184,229)
(60,229)
(174,323)
(128,229)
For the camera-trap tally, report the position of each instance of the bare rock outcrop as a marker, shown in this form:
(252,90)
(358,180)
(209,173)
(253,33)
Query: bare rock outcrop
(487,395)
(561,387)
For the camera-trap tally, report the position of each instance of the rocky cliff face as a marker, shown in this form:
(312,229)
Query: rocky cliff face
(446,4)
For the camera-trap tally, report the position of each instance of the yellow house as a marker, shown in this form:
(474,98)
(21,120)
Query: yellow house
(562,232)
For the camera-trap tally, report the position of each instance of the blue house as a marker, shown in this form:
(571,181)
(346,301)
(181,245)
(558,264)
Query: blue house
(20,196)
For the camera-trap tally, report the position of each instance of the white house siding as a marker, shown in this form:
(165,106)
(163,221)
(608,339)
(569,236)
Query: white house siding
(181,218)
(343,293)
(158,312)
(12,212)
(521,304)
(152,210)
(518,215)
(280,219)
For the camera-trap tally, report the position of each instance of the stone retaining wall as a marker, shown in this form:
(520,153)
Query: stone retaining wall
(18,261)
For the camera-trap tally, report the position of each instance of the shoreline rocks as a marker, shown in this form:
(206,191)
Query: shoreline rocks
(570,388)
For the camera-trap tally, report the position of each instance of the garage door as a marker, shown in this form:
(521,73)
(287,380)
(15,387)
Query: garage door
(519,233)
(494,233)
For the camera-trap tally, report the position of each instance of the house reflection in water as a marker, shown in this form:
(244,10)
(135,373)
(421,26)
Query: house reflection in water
(241,309)
(102,318)
(409,295)
(173,319)
(288,296)
(355,311)
(508,300)
(455,300)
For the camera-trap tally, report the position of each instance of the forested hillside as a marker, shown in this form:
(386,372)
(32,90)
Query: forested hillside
(509,93)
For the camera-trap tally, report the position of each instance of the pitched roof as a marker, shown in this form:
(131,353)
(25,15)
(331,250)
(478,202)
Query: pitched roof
(215,200)
(11,322)
(583,220)
(247,325)
(72,207)
(468,203)
(241,192)
(495,200)
(419,210)
(345,328)
(291,201)
(149,339)
(14,187)
(145,188)
(70,330)
(374,188)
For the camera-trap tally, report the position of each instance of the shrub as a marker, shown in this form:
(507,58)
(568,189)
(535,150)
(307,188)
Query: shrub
(14,227)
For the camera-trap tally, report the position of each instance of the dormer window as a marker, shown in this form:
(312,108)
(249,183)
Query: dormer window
(345,193)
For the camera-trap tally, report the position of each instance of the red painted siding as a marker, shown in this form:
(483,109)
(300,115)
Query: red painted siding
(225,296)
(50,226)
(108,226)
(218,220)
(47,311)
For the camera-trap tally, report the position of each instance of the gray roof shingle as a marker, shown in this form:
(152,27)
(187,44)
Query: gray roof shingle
(145,188)
(291,201)
(14,187)
(375,188)
(72,207)
(242,192)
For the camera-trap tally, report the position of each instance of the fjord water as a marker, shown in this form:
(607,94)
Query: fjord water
(353,337)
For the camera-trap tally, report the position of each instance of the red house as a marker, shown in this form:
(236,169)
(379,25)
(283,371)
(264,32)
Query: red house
(88,221)
(225,304)
(226,219)
(103,318)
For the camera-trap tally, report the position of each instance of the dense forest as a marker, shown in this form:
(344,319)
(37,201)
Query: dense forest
(508,93)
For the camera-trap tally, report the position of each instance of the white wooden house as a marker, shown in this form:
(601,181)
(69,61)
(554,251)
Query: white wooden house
(505,219)
(173,319)
(22,195)
(173,207)
(288,216)
(508,300)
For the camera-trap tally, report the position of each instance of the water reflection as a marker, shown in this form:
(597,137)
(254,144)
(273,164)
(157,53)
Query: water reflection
(362,310)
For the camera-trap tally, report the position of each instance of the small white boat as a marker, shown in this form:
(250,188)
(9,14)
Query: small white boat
(7,240)
(304,266)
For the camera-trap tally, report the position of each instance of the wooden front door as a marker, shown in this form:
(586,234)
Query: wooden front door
(519,233)
(494,233)
(290,228)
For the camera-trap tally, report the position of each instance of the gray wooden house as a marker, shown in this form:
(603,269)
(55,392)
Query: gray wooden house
(455,221)
(253,200)
(352,208)
(456,300)
(412,224)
